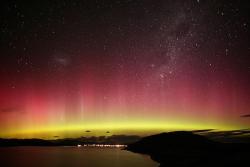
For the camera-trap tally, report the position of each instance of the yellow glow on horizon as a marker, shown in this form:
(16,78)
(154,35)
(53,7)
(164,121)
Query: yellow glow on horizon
(118,127)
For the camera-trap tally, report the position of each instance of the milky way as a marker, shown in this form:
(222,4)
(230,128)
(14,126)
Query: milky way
(123,66)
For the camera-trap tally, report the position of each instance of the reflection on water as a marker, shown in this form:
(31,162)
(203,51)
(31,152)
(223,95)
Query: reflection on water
(72,156)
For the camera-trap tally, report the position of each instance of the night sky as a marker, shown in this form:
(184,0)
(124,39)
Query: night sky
(128,67)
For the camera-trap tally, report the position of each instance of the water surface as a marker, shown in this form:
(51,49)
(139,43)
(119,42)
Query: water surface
(72,156)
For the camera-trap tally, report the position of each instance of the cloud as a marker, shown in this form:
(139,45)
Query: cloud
(245,116)
(202,130)
(227,134)
(11,109)
(121,139)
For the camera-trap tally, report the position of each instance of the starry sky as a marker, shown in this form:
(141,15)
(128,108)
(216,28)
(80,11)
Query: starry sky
(124,66)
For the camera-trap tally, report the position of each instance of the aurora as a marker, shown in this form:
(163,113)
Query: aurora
(151,67)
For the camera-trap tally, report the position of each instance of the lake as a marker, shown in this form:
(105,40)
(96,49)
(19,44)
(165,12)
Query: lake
(72,157)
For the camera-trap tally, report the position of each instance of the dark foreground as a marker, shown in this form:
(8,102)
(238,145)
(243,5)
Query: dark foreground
(187,149)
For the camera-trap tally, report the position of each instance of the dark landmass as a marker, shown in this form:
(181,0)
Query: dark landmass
(184,148)
(114,139)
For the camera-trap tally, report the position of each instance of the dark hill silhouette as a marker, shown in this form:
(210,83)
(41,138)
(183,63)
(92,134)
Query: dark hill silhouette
(114,139)
(183,148)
